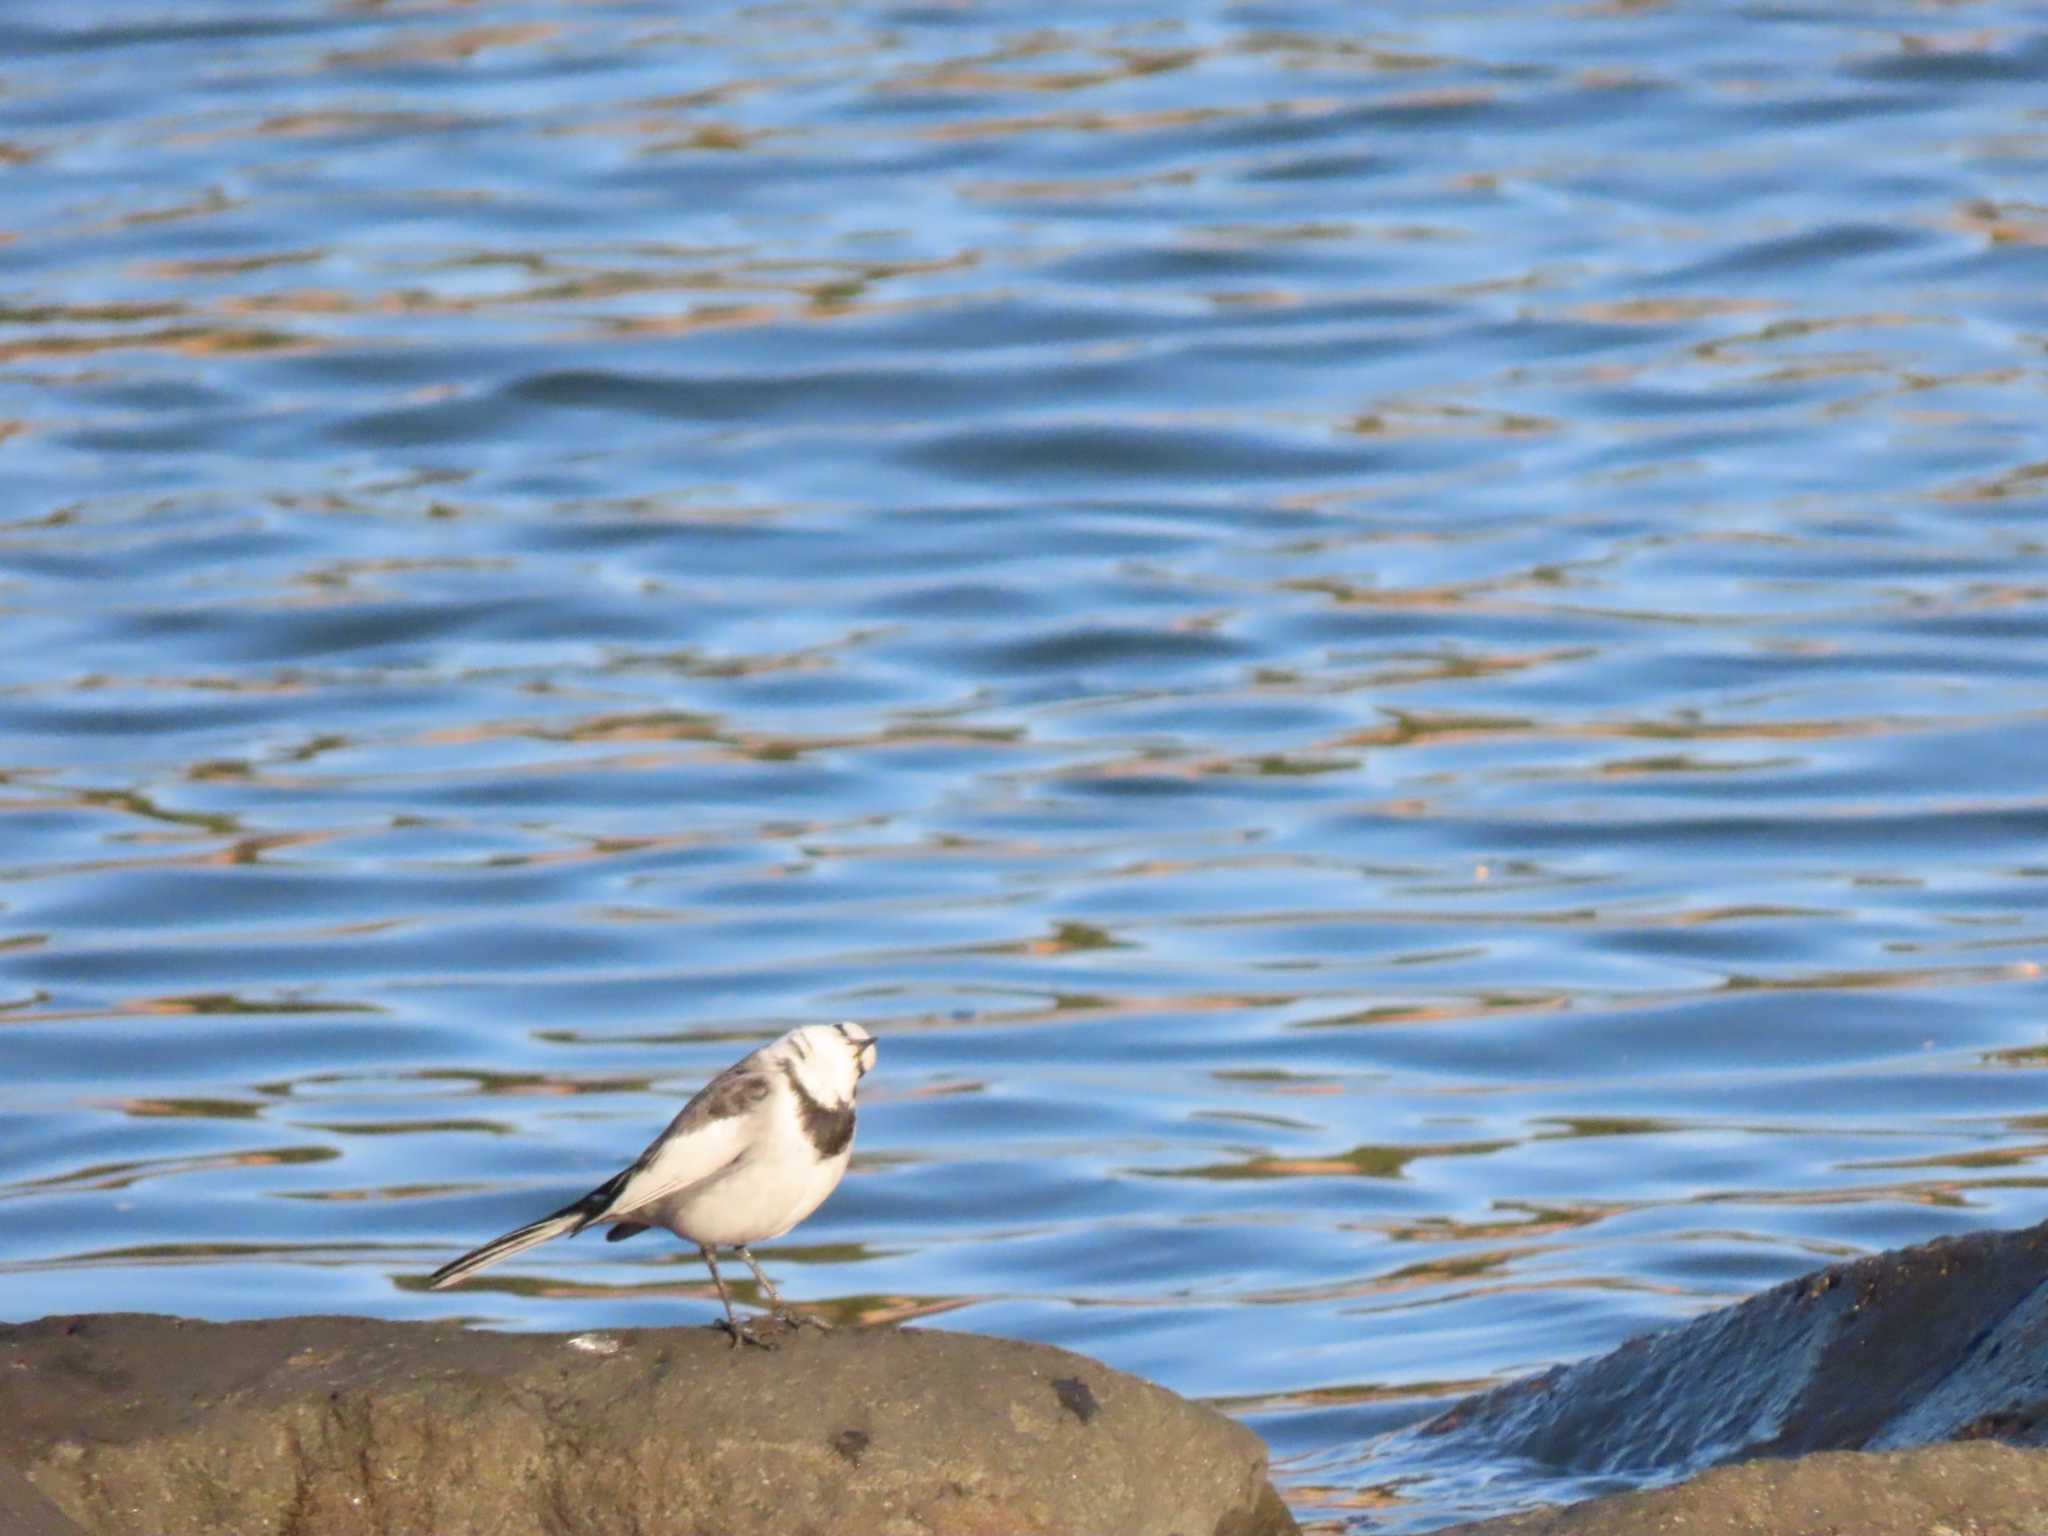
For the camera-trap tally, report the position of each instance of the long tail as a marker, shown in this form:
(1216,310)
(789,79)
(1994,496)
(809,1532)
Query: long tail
(570,1218)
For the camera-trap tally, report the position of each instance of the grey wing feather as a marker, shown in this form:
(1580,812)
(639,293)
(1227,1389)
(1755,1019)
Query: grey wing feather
(704,1138)
(734,1091)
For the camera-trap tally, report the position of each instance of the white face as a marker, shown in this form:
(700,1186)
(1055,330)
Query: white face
(831,1058)
(862,1044)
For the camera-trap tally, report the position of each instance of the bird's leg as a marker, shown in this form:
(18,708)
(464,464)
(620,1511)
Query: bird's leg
(782,1313)
(740,1331)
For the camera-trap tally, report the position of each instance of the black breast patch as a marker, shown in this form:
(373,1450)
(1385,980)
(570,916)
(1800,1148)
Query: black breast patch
(830,1130)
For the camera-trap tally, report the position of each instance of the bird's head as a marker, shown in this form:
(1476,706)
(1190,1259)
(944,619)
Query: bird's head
(829,1059)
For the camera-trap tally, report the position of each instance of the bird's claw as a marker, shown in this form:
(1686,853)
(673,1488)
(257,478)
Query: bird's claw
(794,1321)
(742,1334)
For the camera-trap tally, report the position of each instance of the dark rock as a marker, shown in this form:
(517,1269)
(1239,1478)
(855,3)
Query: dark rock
(1834,1391)
(1901,1349)
(330,1426)
(1075,1397)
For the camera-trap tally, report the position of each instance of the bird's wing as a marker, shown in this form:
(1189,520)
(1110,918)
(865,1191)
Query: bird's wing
(713,1131)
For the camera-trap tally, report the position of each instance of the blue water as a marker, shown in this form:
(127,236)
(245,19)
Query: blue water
(1401,654)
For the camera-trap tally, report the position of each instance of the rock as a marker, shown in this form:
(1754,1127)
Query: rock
(1979,1489)
(1904,1348)
(330,1426)
(1834,1391)
(24,1512)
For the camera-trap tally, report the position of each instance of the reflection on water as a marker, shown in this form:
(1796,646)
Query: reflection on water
(1403,667)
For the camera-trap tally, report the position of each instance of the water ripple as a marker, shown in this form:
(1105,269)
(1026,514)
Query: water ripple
(1403,668)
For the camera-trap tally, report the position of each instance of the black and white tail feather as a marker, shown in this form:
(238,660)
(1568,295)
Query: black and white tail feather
(753,1153)
(566,1222)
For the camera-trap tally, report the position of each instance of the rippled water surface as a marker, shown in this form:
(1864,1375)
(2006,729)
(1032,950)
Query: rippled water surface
(1401,655)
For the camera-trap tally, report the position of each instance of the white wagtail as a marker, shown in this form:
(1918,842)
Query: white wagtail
(755,1152)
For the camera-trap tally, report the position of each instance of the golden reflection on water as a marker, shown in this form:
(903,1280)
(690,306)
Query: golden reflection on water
(1415,729)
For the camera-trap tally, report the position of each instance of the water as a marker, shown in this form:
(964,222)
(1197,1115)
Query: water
(1402,658)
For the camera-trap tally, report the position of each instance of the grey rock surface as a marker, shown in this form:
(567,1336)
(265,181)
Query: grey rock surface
(331,1426)
(24,1512)
(1977,1489)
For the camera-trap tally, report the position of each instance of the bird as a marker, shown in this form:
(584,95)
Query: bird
(755,1151)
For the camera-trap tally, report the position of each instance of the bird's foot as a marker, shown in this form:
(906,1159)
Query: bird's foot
(743,1333)
(796,1320)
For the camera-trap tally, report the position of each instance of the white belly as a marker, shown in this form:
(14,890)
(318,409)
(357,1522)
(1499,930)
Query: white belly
(767,1193)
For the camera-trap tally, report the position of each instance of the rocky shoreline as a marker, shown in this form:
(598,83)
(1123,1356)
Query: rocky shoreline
(134,1425)
(1898,1395)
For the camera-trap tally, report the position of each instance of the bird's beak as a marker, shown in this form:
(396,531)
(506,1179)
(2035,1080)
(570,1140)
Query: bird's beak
(866,1060)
